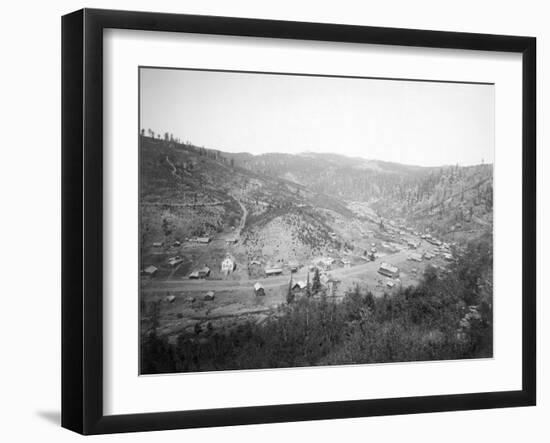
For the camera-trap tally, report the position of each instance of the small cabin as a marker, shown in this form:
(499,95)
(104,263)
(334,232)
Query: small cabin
(273,271)
(174,261)
(259,290)
(346,262)
(293,266)
(200,273)
(150,271)
(299,286)
(388,270)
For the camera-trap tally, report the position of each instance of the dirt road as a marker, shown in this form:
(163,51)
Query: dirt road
(242,221)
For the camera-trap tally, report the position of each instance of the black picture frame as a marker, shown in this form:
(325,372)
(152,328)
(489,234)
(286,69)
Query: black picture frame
(82,218)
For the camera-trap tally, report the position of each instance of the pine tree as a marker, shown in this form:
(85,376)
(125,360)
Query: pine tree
(316,285)
(308,286)
(290,294)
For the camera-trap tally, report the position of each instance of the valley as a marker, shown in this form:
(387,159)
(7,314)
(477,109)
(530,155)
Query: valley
(225,238)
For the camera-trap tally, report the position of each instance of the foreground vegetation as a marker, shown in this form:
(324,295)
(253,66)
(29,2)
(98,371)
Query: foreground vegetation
(447,316)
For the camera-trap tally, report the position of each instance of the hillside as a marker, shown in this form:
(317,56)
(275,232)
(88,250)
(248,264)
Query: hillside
(229,243)
(188,191)
(446,200)
(282,207)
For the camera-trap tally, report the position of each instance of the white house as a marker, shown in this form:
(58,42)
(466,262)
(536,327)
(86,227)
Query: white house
(228,265)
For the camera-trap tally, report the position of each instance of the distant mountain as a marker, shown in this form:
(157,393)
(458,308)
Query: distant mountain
(444,199)
(276,164)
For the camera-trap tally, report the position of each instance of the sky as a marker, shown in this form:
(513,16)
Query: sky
(410,122)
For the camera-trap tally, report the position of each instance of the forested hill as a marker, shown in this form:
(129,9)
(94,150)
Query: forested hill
(442,198)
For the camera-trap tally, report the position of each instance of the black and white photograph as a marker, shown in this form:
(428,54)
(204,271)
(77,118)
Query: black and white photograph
(300,220)
(266,222)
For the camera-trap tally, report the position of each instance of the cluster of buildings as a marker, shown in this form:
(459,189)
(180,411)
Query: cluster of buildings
(299,287)
(323,263)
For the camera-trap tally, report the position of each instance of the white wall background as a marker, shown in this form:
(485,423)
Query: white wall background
(30,221)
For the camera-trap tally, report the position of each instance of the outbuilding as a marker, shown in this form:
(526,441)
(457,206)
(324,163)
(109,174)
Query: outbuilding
(346,262)
(200,273)
(293,266)
(273,271)
(388,270)
(150,271)
(259,289)
(299,286)
(174,261)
